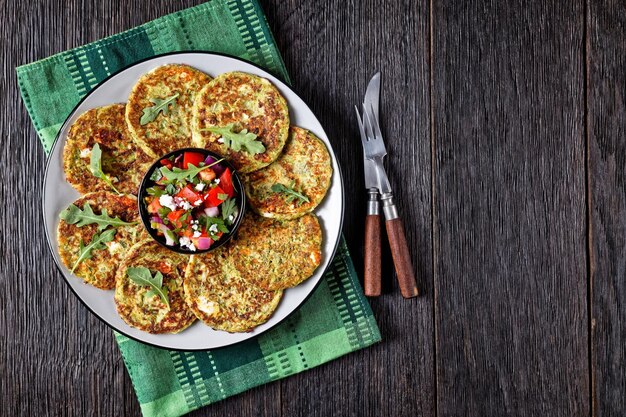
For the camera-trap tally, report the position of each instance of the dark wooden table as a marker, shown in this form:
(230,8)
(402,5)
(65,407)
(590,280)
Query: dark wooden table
(506,123)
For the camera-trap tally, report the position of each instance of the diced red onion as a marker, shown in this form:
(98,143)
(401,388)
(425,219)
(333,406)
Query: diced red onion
(212,211)
(178,158)
(204,243)
(156,219)
(217,168)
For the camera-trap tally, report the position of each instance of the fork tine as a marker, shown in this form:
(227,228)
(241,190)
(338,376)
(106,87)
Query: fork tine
(379,135)
(361,128)
(368,125)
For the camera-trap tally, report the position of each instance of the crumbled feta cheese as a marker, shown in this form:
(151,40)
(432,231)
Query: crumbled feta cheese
(85,153)
(185,205)
(167,201)
(196,234)
(213,228)
(194,226)
(197,203)
(200,186)
(217,180)
(186,242)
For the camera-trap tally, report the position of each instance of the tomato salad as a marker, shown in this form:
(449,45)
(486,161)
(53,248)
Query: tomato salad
(192,201)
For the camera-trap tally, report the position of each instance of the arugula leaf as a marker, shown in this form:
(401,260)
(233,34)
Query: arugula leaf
(237,140)
(143,276)
(179,174)
(95,166)
(97,243)
(290,194)
(160,105)
(74,215)
(228,207)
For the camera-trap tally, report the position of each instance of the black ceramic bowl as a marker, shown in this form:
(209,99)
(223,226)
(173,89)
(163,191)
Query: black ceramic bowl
(146,183)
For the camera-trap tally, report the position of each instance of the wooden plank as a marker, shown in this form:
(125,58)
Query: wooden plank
(607,184)
(331,50)
(510,222)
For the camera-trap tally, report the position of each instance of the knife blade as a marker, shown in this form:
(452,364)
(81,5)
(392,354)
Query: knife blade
(372,98)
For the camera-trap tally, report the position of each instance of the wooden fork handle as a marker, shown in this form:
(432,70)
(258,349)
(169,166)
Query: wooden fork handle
(371,280)
(399,248)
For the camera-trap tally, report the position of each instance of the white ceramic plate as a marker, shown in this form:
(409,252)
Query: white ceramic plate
(58,194)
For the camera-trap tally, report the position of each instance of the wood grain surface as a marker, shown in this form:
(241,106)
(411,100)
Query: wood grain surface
(606,94)
(505,125)
(510,224)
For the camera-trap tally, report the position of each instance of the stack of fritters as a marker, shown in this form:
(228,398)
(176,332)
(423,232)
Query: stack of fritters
(234,288)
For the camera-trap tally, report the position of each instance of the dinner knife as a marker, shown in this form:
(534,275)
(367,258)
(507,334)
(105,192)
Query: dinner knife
(395,229)
(372,255)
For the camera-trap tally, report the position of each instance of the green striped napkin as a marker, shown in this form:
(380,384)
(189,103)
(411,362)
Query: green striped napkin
(335,320)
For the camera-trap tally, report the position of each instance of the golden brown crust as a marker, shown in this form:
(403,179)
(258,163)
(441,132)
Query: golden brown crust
(166,132)
(221,298)
(99,270)
(148,312)
(250,102)
(121,158)
(278,254)
(304,165)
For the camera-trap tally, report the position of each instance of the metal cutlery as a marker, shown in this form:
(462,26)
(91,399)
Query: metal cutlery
(377,183)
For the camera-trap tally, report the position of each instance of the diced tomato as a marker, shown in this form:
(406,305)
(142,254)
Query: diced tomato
(226,182)
(189,194)
(187,232)
(212,199)
(193,158)
(174,218)
(154,206)
(207,175)
(166,163)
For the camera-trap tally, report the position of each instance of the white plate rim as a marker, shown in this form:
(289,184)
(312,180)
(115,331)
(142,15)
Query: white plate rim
(275,80)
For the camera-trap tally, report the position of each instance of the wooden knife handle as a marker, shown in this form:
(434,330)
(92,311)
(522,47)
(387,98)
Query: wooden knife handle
(401,258)
(371,281)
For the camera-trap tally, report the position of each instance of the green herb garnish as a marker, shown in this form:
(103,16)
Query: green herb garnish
(290,194)
(163,212)
(143,276)
(207,222)
(156,175)
(222,196)
(160,105)
(179,174)
(228,207)
(155,191)
(95,166)
(97,243)
(74,215)
(170,189)
(238,140)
